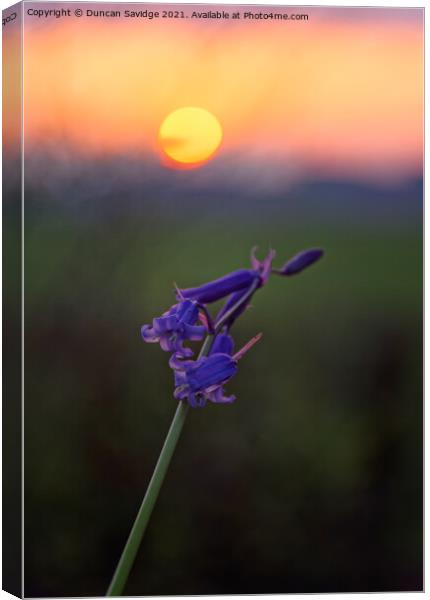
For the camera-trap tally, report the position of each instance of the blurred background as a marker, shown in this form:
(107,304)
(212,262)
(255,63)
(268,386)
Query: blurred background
(312,480)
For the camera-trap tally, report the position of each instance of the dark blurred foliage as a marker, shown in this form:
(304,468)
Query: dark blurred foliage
(310,482)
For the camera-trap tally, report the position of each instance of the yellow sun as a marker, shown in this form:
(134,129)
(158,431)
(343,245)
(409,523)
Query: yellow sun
(190,136)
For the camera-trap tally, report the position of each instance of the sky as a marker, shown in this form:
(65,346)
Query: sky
(340,94)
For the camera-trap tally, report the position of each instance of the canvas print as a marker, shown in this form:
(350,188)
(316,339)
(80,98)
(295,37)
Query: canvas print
(213,306)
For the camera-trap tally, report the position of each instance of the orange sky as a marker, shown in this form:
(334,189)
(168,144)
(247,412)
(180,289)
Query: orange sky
(340,96)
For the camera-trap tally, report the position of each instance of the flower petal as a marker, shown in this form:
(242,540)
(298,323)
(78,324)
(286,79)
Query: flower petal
(177,362)
(166,343)
(180,378)
(209,371)
(218,396)
(164,324)
(194,333)
(181,392)
(187,312)
(148,334)
(196,400)
(178,346)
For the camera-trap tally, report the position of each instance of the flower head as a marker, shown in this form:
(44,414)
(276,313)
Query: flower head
(204,379)
(175,326)
(198,381)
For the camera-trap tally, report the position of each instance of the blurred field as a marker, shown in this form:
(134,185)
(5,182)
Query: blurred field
(310,482)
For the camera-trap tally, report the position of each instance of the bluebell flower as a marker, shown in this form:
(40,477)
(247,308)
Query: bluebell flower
(236,282)
(204,379)
(300,261)
(175,326)
(222,287)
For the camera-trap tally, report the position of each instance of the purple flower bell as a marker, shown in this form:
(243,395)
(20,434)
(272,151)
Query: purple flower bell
(222,287)
(237,282)
(202,380)
(175,326)
(300,261)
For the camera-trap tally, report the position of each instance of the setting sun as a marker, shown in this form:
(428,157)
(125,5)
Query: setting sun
(190,136)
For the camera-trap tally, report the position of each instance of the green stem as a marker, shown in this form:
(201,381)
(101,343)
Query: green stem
(136,534)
